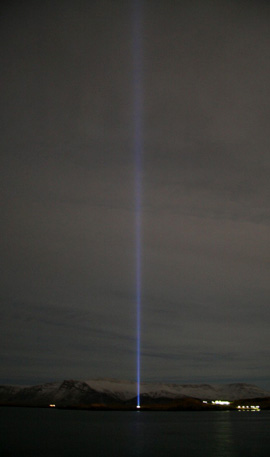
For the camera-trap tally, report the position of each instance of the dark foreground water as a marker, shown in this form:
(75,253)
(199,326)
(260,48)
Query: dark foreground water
(63,433)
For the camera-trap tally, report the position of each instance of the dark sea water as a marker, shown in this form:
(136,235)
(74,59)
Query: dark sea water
(65,433)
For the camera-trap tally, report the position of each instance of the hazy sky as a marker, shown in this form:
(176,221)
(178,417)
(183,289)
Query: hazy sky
(67,187)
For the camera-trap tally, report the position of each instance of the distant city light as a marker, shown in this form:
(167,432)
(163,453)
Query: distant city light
(248,408)
(52,405)
(221,402)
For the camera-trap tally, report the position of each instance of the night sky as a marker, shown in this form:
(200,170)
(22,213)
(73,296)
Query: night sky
(68,301)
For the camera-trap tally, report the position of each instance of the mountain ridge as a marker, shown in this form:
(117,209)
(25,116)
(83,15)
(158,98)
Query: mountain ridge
(202,391)
(119,393)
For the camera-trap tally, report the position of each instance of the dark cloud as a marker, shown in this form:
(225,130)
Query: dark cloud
(67,187)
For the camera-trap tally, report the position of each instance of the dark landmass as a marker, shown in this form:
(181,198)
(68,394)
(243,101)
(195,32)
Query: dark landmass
(72,394)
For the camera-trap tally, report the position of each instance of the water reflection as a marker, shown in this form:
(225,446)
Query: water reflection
(223,436)
(181,435)
(55,433)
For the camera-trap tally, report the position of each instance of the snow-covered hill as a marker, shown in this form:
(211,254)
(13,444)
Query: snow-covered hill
(111,392)
(125,390)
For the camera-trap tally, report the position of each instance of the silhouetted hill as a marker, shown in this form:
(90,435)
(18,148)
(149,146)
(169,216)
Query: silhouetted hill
(113,394)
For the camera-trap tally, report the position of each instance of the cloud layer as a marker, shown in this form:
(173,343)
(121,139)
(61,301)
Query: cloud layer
(67,181)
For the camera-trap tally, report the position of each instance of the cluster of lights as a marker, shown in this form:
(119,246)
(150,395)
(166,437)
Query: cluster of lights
(221,402)
(248,408)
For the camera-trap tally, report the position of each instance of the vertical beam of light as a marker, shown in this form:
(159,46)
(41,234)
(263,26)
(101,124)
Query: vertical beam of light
(138,150)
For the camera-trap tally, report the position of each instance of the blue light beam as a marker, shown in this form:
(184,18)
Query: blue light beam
(138,151)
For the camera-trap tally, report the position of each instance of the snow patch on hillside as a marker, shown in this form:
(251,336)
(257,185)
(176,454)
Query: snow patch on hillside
(125,390)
